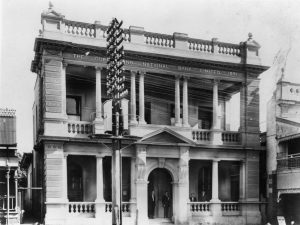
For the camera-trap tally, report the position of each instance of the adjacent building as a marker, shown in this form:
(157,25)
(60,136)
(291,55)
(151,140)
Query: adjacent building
(8,166)
(283,152)
(180,137)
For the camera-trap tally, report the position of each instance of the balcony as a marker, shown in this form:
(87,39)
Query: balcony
(288,171)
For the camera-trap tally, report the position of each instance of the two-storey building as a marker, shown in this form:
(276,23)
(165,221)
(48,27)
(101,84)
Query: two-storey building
(283,153)
(9,210)
(179,137)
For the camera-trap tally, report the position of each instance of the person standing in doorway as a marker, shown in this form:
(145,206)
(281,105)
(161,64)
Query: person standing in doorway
(166,204)
(152,204)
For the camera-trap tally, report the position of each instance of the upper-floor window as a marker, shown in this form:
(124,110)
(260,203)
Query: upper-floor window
(74,105)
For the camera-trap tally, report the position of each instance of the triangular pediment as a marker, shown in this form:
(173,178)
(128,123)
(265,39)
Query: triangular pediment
(286,128)
(166,136)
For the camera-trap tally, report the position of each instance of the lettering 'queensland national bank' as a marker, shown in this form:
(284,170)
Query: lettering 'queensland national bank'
(186,136)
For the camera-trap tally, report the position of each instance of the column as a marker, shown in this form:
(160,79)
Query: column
(65,178)
(216,121)
(98,122)
(242,180)
(98,95)
(215,201)
(185,105)
(133,99)
(8,195)
(100,187)
(177,101)
(63,89)
(16,190)
(142,100)
(216,134)
(215,180)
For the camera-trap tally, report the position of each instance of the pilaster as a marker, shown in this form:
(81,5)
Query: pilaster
(141,185)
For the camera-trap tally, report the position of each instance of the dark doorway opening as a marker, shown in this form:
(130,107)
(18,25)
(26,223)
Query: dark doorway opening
(160,181)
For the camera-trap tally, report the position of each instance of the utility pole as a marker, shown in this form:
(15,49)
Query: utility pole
(116,91)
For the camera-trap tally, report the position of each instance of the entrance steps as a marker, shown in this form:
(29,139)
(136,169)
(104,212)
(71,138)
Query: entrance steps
(160,221)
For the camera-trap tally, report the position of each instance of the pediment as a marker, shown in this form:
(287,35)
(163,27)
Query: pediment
(166,136)
(285,128)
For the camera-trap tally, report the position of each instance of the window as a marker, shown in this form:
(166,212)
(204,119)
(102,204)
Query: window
(74,105)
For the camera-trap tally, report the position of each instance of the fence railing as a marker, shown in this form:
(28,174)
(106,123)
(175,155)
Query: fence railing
(288,162)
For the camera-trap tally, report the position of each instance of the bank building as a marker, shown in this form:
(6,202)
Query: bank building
(177,117)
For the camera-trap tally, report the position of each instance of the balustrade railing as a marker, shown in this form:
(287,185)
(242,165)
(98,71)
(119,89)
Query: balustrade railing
(94,30)
(81,208)
(199,207)
(3,203)
(80,29)
(161,40)
(230,208)
(201,135)
(125,207)
(80,127)
(288,162)
(229,49)
(200,45)
(230,136)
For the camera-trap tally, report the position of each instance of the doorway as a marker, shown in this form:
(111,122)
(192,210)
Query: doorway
(160,181)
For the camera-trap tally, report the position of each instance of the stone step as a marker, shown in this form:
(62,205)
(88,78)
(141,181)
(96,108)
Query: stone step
(160,221)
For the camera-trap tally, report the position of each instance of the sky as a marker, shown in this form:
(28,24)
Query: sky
(275,25)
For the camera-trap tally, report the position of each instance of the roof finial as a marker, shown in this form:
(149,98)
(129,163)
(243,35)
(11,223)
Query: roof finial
(250,36)
(50,5)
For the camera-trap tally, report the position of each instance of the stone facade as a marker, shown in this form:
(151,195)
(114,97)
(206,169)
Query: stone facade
(175,119)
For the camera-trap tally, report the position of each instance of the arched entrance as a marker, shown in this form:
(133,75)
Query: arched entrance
(160,181)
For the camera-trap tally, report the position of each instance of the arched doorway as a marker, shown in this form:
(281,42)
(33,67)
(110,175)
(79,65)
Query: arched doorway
(160,181)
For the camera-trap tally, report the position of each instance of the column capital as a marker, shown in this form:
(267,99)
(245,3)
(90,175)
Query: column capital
(133,72)
(66,154)
(216,81)
(216,160)
(99,68)
(185,77)
(141,72)
(177,76)
(64,63)
(99,156)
